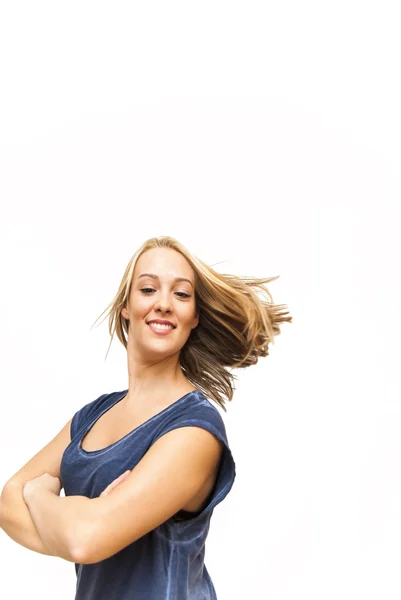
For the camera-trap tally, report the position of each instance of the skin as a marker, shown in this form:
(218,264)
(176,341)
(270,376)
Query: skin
(153,360)
(53,484)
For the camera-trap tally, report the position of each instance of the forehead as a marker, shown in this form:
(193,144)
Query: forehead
(163,262)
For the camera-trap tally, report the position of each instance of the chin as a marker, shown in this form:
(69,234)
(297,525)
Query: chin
(160,349)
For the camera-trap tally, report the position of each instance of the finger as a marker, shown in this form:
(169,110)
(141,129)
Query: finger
(106,490)
(119,479)
(114,483)
(117,482)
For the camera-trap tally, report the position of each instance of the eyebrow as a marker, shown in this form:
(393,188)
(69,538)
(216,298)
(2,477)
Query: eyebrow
(153,276)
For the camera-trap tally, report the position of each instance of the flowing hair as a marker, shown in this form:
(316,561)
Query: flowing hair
(237,322)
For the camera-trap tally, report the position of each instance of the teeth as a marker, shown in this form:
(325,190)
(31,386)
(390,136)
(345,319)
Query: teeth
(161,326)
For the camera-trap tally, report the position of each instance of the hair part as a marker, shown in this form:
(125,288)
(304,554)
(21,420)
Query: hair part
(237,322)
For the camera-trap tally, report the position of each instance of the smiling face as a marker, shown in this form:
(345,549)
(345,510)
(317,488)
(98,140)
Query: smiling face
(163,289)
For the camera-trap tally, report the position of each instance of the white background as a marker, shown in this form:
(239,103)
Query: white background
(266,138)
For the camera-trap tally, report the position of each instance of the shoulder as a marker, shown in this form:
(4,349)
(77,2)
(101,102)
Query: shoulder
(90,410)
(198,411)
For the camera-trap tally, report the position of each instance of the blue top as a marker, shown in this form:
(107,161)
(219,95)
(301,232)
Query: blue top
(168,562)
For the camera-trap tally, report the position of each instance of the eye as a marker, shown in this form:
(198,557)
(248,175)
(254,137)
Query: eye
(180,294)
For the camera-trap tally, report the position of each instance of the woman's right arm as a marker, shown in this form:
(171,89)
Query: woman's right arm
(16,520)
(15,517)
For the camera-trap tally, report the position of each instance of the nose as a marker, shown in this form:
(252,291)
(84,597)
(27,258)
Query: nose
(163,303)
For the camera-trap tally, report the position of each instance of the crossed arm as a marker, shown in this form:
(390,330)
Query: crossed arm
(168,477)
(16,518)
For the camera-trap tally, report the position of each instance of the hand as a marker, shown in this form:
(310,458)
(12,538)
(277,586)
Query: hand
(114,483)
(46,481)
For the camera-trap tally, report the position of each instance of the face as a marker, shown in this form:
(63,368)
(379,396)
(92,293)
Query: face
(163,289)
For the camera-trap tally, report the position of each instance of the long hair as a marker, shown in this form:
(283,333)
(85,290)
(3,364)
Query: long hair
(237,322)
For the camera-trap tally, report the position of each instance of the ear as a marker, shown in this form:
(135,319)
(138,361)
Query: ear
(124,313)
(196,320)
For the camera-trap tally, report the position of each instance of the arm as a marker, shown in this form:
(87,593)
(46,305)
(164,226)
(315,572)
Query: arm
(63,523)
(167,478)
(16,520)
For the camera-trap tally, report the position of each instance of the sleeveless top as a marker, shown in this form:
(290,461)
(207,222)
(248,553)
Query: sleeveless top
(167,563)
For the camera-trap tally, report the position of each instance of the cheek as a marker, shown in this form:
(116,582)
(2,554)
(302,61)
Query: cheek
(140,306)
(187,316)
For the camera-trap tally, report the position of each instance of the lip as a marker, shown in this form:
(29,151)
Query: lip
(162,322)
(160,331)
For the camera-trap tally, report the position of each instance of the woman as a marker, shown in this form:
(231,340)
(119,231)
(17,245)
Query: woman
(143,468)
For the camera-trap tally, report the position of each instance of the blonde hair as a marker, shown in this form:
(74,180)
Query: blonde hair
(237,321)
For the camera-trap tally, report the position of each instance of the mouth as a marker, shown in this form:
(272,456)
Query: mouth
(162,328)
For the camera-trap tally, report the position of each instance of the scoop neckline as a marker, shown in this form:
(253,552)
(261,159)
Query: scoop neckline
(121,396)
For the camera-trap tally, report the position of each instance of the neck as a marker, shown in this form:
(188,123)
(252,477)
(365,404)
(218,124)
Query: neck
(155,381)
